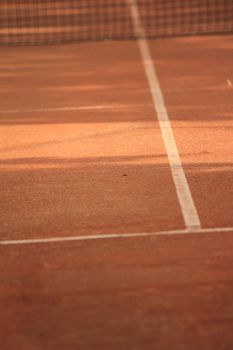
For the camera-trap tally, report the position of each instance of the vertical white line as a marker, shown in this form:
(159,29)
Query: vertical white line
(187,205)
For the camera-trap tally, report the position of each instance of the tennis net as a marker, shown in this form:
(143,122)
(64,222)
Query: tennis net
(25,22)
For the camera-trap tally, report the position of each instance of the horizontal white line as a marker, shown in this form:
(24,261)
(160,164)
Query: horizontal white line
(186,232)
(74,108)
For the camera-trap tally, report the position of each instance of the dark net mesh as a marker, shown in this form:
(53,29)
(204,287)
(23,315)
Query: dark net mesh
(63,21)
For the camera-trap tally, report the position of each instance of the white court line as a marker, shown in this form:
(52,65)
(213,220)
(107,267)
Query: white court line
(186,232)
(67,109)
(187,205)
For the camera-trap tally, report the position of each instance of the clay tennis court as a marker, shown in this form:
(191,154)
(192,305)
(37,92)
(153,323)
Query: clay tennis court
(116,194)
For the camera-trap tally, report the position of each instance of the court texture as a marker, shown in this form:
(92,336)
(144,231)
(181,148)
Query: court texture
(116,188)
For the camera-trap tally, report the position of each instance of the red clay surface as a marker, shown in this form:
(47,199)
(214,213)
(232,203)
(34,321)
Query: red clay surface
(85,171)
(196,76)
(153,293)
(102,168)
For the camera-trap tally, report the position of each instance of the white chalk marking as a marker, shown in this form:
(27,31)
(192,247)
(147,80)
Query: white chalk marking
(187,205)
(67,109)
(186,232)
